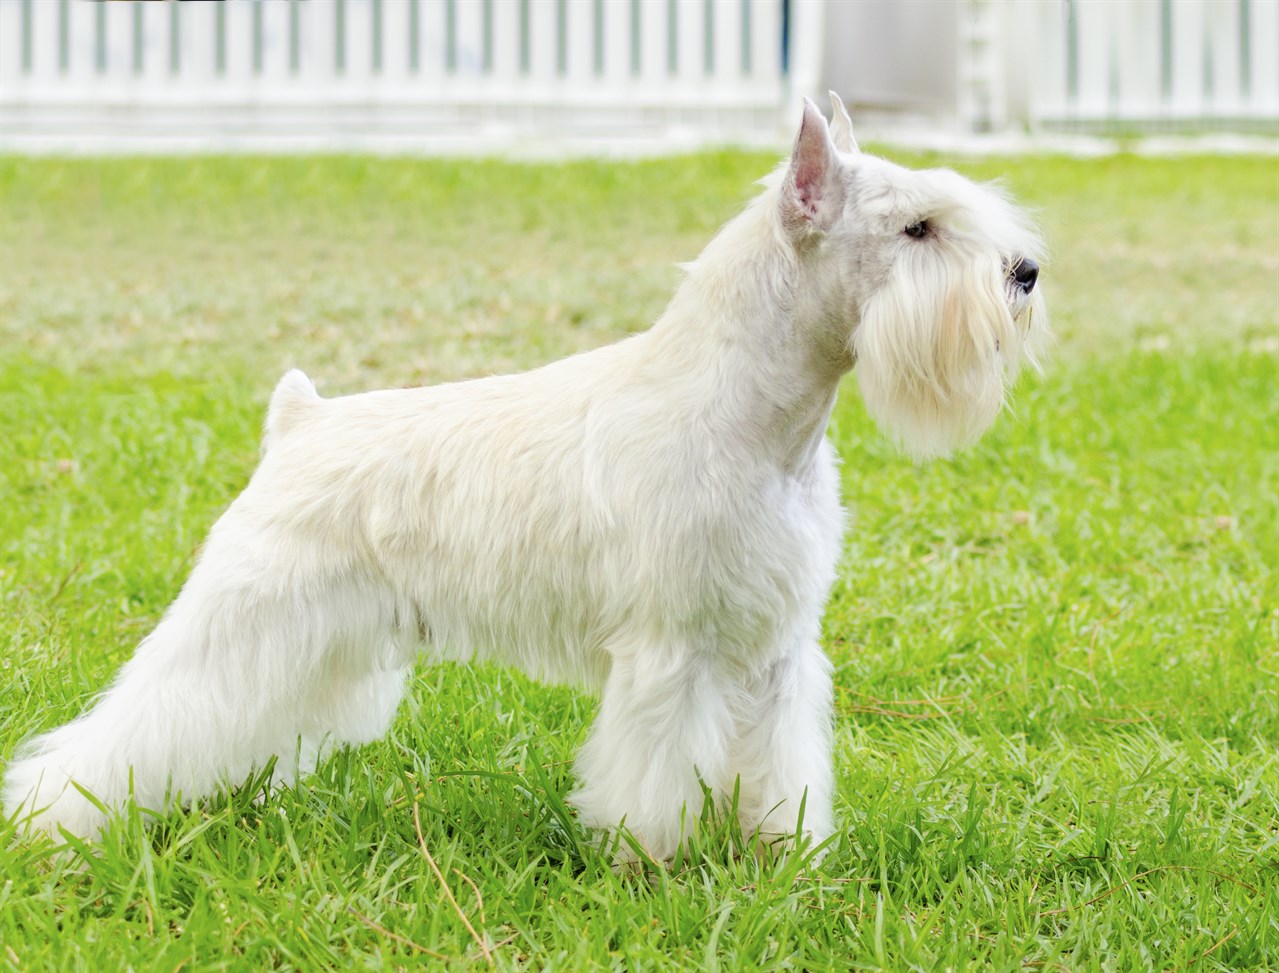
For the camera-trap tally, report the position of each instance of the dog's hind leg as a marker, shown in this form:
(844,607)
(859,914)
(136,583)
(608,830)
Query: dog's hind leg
(663,728)
(782,751)
(352,706)
(220,687)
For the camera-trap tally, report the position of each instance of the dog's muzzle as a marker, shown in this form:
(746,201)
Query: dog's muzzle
(1024,273)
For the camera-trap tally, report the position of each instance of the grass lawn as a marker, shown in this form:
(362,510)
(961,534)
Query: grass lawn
(1057,656)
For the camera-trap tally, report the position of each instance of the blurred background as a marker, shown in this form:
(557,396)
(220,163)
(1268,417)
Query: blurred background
(625,76)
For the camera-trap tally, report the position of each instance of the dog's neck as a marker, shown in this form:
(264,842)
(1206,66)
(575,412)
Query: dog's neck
(735,332)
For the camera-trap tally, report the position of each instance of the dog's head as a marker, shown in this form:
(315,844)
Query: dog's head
(934,278)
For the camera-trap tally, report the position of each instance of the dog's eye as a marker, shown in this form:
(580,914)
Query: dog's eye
(917,230)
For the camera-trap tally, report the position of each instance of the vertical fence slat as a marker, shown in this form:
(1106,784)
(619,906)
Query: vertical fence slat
(119,44)
(316,40)
(653,43)
(394,67)
(10,43)
(1264,39)
(358,41)
(1223,20)
(431,23)
(468,39)
(82,44)
(1188,28)
(195,26)
(542,20)
(727,27)
(238,39)
(1047,73)
(276,18)
(617,43)
(1094,31)
(1138,48)
(155,42)
(579,23)
(46,20)
(506,42)
(766,30)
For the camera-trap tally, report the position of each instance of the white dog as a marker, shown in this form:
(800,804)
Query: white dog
(658,520)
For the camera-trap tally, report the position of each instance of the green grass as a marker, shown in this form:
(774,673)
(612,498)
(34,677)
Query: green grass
(1057,656)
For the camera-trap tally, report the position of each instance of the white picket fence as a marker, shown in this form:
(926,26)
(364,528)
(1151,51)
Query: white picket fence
(436,74)
(1151,65)
(628,75)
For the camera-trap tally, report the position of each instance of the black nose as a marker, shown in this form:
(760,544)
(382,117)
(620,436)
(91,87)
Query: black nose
(1026,272)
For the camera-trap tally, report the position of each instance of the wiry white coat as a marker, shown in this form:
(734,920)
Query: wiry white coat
(657,520)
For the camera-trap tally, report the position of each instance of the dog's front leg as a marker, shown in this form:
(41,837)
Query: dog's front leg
(782,749)
(663,728)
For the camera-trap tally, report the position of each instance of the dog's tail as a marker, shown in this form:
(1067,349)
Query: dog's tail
(294,398)
(186,713)
(260,658)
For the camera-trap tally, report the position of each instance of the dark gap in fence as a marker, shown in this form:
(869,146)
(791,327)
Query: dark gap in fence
(1245,49)
(377,36)
(26,36)
(636,24)
(785,37)
(598,24)
(708,29)
(175,38)
(220,39)
(1072,52)
(137,38)
(746,37)
(672,37)
(1210,74)
(339,36)
(295,40)
(1112,80)
(524,37)
(1165,49)
(450,36)
(257,38)
(414,42)
(100,39)
(488,36)
(64,37)
(561,37)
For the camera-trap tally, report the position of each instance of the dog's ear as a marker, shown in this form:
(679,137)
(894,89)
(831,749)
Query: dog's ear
(841,126)
(812,193)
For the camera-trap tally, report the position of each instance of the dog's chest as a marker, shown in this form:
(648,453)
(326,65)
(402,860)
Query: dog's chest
(739,553)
